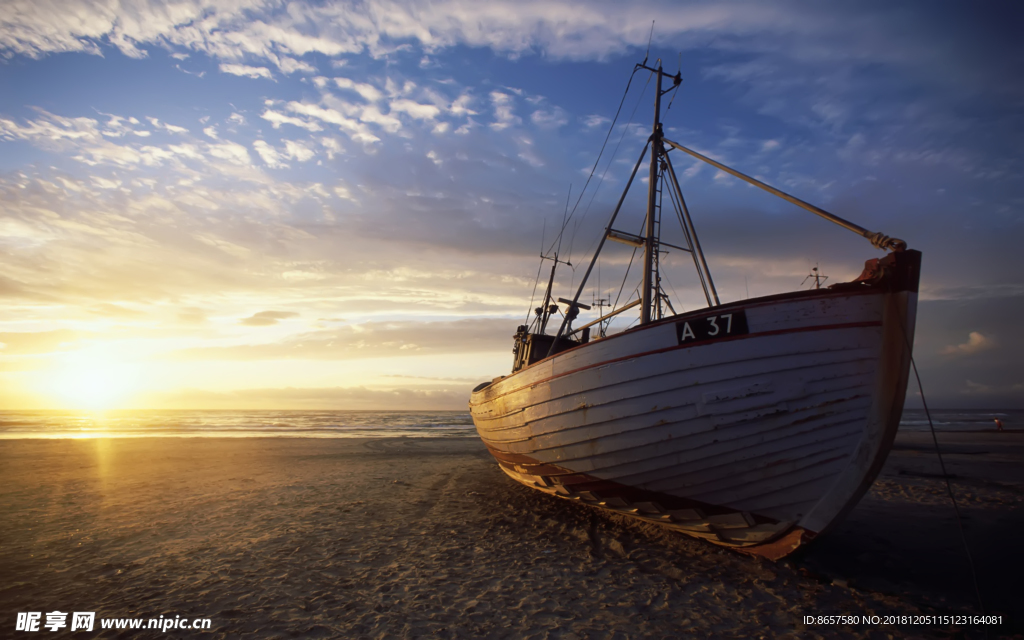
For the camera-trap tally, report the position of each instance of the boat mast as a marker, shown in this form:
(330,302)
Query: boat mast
(545,309)
(650,246)
(652,294)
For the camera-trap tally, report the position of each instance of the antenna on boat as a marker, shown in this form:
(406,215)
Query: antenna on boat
(649,39)
(816,276)
(600,303)
(678,84)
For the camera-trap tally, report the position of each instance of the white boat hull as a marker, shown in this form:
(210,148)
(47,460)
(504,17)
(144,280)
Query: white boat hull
(758,437)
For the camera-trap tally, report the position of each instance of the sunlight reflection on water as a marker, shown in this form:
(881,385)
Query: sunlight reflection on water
(234,424)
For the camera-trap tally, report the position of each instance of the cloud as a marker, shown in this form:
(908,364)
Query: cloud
(279,34)
(267,318)
(247,71)
(192,315)
(165,126)
(111,310)
(133,212)
(275,158)
(552,119)
(298,151)
(593,121)
(276,119)
(366,340)
(368,92)
(460,106)
(332,146)
(503,115)
(104,183)
(355,127)
(52,128)
(39,342)
(94,143)
(414,109)
(975,343)
(230,151)
(450,397)
(268,154)
(291,65)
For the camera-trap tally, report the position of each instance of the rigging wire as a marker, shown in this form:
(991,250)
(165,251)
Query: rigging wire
(598,161)
(949,487)
(540,267)
(568,197)
(637,292)
(679,298)
(624,276)
(593,170)
(649,39)
(678,206)
(942,467)
(674,93)
(615,152)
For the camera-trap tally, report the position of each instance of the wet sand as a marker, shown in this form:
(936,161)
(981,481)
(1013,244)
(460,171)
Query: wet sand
(408,538)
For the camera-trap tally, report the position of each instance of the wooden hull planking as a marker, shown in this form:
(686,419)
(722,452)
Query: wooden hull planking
(757,439)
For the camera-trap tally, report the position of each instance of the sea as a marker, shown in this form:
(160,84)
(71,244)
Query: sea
(352,424)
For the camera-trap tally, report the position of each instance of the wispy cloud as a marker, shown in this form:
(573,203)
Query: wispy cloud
(396,398)
(267,318)
(246,71)
(387,176)
(975,344)
(504,117)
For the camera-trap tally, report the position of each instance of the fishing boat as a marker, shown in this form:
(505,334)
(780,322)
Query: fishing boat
(755,424)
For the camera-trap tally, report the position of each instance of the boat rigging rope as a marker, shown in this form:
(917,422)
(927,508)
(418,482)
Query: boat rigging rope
(942,466)
(624,276)
(536,281)
(615,152)
(533,295)
(949,490)
(607,136)
(878,239)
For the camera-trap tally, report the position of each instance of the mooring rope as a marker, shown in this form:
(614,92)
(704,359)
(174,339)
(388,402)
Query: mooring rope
(949,490)
(942,466)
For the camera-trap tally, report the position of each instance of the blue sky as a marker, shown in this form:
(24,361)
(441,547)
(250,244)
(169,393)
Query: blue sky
(295,205)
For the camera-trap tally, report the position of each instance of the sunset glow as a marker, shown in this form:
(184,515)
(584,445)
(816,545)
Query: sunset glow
(88,381)
(306,205)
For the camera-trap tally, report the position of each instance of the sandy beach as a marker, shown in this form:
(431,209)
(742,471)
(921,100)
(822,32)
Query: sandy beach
(421,537)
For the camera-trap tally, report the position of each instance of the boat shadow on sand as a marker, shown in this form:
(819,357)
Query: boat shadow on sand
(899,552)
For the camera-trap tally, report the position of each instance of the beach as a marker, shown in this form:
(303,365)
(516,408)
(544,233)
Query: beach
(425,537)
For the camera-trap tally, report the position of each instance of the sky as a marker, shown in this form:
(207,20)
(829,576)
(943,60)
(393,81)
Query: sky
(253,204)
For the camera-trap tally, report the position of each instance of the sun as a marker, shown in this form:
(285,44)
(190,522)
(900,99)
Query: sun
(94,383)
